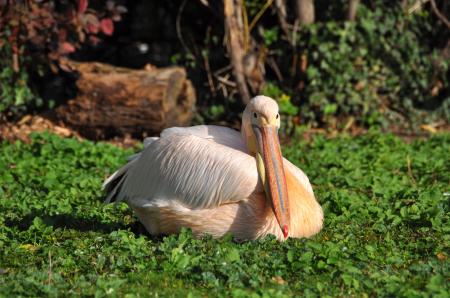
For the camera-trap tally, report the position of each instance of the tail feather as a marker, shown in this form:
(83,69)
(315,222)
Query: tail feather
(111,197)
(113,184)
(115,181)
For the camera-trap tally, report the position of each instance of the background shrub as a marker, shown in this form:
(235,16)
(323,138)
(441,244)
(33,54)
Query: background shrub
(384,68)
(389,67)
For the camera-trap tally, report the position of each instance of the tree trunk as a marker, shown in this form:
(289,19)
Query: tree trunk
(352,10)
(113,100)
(305,11)
(235,42)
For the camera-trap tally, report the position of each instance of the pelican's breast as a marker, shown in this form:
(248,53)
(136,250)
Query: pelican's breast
(306,213)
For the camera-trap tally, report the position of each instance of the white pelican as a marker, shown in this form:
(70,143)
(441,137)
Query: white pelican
(215,180)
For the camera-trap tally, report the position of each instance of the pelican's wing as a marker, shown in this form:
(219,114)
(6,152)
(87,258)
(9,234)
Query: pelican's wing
(232,138)
(200,167)
(218,134)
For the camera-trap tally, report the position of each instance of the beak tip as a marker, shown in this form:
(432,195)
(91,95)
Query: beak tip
(285,231)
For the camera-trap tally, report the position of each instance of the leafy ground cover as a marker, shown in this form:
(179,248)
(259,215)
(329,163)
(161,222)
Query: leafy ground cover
(386,227)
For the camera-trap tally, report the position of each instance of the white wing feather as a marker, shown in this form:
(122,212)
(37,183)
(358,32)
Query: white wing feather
(218,134)
(200,167)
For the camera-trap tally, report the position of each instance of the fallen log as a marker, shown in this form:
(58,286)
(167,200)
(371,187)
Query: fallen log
(114,100)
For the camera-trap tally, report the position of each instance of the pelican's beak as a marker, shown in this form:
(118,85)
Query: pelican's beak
(271,171)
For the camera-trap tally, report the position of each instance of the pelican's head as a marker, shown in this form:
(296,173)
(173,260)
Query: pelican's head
(260,124)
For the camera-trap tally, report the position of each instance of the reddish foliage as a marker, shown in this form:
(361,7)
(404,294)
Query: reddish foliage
(66,48)
(107,26)
(82,6)
(53,31)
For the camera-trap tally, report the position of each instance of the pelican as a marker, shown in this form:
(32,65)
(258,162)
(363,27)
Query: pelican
(215,180)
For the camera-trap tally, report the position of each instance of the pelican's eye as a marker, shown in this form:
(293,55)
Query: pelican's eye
(277,116)
(255,115)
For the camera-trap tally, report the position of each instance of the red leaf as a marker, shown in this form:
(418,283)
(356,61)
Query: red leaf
(107,26)
(82,6)
(66,48)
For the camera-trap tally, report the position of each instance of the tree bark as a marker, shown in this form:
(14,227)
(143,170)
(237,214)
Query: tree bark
(235,44)
(305,12)
(352,10)
(113,100)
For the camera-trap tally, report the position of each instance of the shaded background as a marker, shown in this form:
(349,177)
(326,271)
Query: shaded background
(341,65)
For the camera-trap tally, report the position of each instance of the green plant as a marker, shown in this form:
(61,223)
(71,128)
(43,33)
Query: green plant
(270,36)
(15,92)
(385,232)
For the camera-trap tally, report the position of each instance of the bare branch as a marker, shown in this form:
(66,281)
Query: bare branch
(178,27)
(417,5)
(439,14)
(282,16)
(352,10)
(259,15)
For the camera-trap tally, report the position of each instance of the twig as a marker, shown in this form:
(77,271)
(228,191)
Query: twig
(178,27)
(226,82)
(259,15)
(417,5)
(224,90)
(245,23)
(222,70)
(212,88)
(281,12)
(271,62)
(439,14)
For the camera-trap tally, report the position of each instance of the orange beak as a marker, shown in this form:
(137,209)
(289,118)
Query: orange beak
(272,173)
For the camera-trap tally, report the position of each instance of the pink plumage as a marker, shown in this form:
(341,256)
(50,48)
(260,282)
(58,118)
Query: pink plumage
(215,181)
